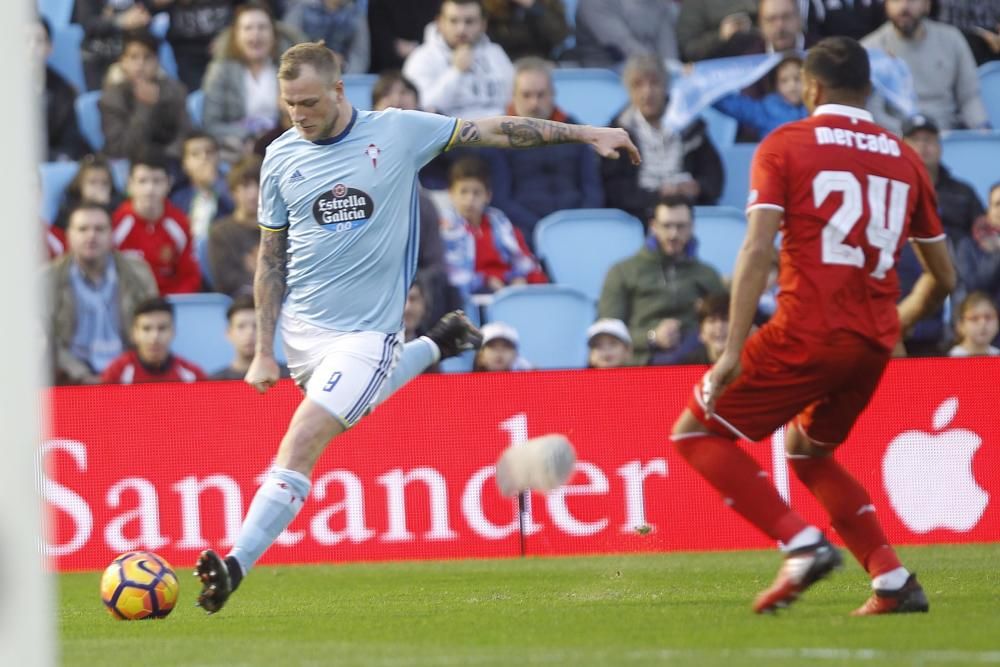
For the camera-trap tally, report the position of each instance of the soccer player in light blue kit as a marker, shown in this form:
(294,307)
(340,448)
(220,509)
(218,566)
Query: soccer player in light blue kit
(338,250)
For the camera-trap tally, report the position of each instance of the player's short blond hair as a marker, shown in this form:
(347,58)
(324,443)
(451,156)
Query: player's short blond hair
(316,55)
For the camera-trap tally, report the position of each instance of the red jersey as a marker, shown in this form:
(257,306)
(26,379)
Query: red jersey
(165,244)
(55,241)
(128,369)
(491,263)
(852,193)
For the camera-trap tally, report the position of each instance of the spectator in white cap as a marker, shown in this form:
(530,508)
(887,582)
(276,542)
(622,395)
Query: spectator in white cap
(499,350)
(609,343)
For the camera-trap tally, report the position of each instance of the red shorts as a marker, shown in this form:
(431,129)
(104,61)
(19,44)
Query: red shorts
(827,385)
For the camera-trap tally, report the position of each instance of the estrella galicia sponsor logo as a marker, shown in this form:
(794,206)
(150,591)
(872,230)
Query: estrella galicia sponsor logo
(343,208)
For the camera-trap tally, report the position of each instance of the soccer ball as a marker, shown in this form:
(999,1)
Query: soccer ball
(139,585)
(540,464)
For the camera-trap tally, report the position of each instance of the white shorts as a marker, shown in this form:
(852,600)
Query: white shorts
(342,371)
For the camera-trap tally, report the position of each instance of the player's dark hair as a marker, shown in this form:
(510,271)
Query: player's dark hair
(242,302)
(386,81)
(245,171)
(151,157)
(840,63)
(470,167)
(714,305)
(157,304)
(143,37)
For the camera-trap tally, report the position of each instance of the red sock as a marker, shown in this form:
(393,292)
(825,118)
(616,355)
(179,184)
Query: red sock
(850,508)
(741,481)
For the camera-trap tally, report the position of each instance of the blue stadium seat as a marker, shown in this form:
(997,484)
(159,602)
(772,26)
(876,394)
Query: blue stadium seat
(119,174)
(570,6)
(65,58)
(59,13)
(989,89)
(720,231)
(168,62)
(972,157)
(56,176)
(196,107)
(551,320)
(721,128)
(200,322)
(592,95)
(201,254)
(579,246)
(88,117)
(463,362)
(736,163)
(358,89)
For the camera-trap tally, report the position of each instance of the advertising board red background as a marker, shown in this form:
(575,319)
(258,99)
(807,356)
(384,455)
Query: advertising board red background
(173,467)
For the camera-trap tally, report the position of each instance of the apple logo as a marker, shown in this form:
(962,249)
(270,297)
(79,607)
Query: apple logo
(928,476)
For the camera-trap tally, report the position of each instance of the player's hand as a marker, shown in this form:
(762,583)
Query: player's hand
(263,373)
(722,374)
(608,140)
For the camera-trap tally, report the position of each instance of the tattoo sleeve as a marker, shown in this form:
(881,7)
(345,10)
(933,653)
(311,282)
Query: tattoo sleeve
(269,285)
(517,132)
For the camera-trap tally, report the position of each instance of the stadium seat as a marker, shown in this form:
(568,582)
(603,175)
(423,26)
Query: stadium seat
(358,89)
(736,163)
(200,322)
(579,246)
(989,89)
(721,128)
(551,321)
(720,231)
(58,13)
(570,6)
(201,254)
(56,177)
(119,173)
(65,58)
(196,107)
(88,117)
(592,95)
(971,156)
(168,62)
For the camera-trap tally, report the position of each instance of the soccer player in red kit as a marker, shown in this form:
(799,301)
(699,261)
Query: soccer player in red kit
(846,195)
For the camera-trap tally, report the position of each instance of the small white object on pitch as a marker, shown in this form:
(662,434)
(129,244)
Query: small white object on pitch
(539,464)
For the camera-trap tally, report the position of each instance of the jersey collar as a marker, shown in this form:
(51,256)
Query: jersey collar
(843,110)
(343,133)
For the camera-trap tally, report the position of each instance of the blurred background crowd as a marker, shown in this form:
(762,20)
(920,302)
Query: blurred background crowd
(157,113)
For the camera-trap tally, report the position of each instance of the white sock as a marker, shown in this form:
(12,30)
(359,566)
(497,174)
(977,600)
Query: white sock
(275,505)
(892,580)
(418,355)
(806,537)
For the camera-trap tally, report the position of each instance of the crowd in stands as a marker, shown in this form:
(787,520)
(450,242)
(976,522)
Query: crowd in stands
(164,201)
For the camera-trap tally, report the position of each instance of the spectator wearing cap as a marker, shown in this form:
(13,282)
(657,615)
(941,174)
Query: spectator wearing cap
(609,344)
(532,183)
(499,350)
(958,203)
(941,62)
(656,291)
(713,327)
(680,163)
(610,31)
(140,105)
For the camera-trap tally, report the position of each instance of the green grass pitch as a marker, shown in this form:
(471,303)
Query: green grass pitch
(677,609)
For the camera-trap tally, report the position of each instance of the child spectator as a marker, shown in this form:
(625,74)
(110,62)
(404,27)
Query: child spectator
(140,105)
(340,24)
(233,241)
(483,250)
(976,327)
(94,184)
(713,327)
(609,343)
(204,195)
(150,226)
(241,332)
(151,359)
(978,255)
(774,109)
(499,350)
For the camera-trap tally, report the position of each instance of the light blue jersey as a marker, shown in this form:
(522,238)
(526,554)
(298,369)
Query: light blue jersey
(350,205)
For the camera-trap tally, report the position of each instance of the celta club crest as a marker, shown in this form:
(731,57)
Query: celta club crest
(373,152)
(339,190)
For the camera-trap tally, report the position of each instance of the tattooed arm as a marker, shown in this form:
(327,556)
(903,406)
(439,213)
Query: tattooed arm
(268,292)
(525,132)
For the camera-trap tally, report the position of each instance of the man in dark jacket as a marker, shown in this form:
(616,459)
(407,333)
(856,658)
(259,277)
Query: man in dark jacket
(531,183)
(63,139)
(673,163)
